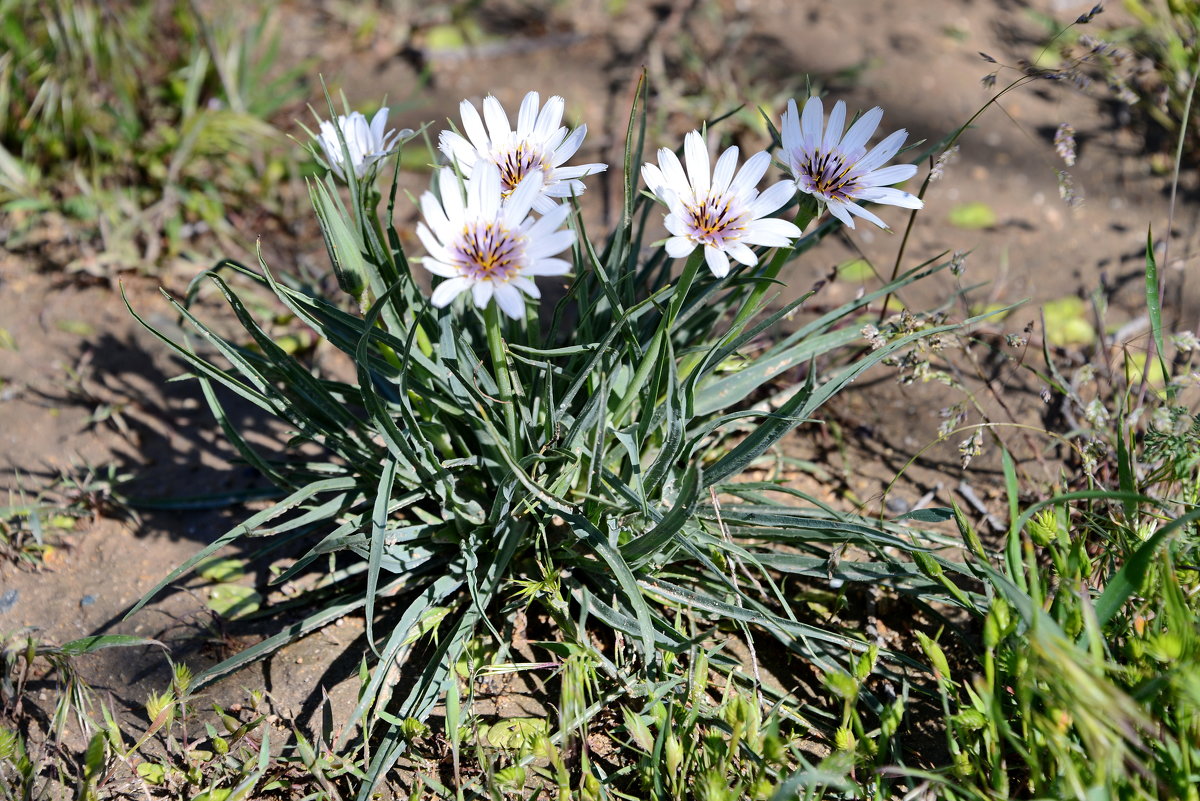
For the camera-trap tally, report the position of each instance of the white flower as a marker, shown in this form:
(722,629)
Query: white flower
(367,143)
(489,244)
(837,169)
(539,146)
(715,208)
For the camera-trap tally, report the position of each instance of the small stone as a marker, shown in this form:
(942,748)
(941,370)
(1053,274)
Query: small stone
(896,506)
(87,600)
(8,600)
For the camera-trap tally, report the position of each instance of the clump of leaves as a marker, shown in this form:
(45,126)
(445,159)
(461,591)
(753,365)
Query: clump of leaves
(579,462)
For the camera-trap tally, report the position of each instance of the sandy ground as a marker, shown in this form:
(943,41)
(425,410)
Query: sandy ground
(79,350)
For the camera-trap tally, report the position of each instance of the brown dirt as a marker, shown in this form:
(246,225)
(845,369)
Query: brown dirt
(78,349)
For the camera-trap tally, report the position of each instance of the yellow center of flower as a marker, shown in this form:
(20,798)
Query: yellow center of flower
(829,175)
(487,251)
(518,162)
(714,220)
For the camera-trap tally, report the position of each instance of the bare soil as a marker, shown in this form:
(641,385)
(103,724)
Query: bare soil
(79,351)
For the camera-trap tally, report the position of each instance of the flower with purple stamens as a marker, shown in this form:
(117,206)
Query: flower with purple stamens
(838,170)
(538,146)
(366,143)
(488,243)
(718,208)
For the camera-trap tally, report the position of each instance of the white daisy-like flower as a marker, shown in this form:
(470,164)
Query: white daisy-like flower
(837,169)
(367,143)
(715,208)
(489,244)
(539,146)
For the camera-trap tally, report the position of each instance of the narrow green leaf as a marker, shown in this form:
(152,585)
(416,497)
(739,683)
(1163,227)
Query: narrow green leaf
(1128,580)
(96,642)
(379,518)
(774,426)
(245,528)
(625,579)
(672,523)
(1012,547)
(1154,309)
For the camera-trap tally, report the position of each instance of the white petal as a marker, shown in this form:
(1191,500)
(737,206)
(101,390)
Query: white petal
(679,246)
(695,153)
(789,128)
(675,225)
(544,204)
(548,222)
(571,144)
(833,129)
(860,132)
(527,115)
(457,149)
(838,209)
(772,199)
(718,262)
(886,176)
(567,188)
(882,153)
(449,290)
(675,178)
(473,126)
(751,173)
(554,141)
(578,171)
(483,191)
(811,121)
(742,253)
(517,207)
(510,301)
(431,209)
(438,267)
(653,178)
(859,211)
(548,267)
(723,172)
(525,285)
(892,197)
(378,124)
(433,247)
(481,292)
(497,120)
(452,196)
(549,118)
(550,245)
(772,232)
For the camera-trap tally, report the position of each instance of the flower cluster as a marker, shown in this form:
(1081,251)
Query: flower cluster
(482,236)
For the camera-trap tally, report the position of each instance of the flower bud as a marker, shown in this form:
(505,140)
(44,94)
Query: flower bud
(674,753)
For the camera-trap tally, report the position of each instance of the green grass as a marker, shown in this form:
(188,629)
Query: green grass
(141,124)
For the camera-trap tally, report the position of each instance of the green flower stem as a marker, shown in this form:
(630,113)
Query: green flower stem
(650,358)
(804,215)
(491,319)
(682,288)
(385,252)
